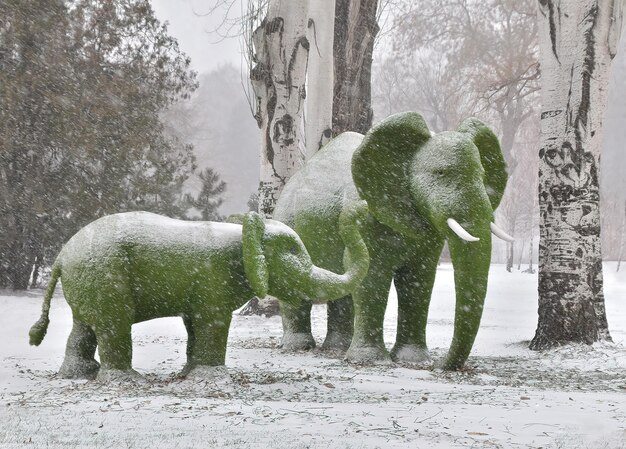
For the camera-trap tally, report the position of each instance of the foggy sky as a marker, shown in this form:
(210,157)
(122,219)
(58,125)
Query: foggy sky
(190,25)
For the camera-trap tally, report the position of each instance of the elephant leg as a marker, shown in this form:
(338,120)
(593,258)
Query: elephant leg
(370,303)
(414,285)
(207,340)
(297,334)
(340,325)
(115,349)
(79,362)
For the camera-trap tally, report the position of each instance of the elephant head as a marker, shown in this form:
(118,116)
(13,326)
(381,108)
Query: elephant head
(443,186)
(276,261)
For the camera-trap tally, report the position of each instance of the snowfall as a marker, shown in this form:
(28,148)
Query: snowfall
(508,397)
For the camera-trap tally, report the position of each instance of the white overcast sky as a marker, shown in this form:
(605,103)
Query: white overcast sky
(189,23)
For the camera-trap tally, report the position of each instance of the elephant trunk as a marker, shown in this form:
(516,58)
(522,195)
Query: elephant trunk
(326,285)
(471,268)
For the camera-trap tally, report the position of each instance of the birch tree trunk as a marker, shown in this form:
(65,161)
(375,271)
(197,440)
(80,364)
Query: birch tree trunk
(621,240)
(320,78)
(356,27)
(278,78)
(578,40)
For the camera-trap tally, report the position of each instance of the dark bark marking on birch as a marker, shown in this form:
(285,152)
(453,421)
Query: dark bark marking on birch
(271,109)
(582,117)
(568,109)
(613,44)
(276,25)
(283,130)
(311,24)
(549,4)
(304,43)
(550,114)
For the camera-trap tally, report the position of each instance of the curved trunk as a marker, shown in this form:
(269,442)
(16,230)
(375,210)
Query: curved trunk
(471,269)
(326,285)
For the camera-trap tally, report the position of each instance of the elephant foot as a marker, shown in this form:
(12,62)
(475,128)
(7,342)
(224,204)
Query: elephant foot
(368,355)
(205,373)
(412,355)
(78,368)
(118,375)
(298,342)
(336,342)
(190,368)
(214,381)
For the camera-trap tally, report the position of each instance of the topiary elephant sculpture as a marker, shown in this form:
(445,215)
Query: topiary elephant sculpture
(132,267)
(421,190)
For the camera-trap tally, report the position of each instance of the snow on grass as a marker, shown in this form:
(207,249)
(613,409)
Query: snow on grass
(509,397)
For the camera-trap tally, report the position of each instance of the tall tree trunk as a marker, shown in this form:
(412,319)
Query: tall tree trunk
(510,247)
(621,240)
(281,56)
(578,40)
(355,30)
(521,255)
(319,104)
(531,254)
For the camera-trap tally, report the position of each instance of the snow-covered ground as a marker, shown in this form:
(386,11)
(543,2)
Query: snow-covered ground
(510,397)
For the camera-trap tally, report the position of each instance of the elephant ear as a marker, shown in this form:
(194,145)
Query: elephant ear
(491,157)
(254,263)
(381,167)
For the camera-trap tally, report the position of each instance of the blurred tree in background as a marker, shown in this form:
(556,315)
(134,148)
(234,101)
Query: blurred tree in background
(209,199)
(83,84)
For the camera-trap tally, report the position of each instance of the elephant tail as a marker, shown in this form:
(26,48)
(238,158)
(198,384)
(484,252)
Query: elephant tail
(38,330)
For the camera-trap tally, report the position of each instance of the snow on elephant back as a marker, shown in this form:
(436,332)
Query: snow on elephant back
(131,267)
(422,190)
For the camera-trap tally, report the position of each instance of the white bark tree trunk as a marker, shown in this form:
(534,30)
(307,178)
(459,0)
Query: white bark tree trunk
(578,40)
(281,56)
(320,78)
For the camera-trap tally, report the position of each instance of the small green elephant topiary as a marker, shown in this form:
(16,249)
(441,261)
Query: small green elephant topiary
(136,266)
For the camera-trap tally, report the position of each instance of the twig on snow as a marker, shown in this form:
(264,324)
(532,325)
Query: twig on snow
(429,417)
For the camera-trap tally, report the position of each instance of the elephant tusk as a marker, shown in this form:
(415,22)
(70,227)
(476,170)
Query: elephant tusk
(462,233)
(500,233)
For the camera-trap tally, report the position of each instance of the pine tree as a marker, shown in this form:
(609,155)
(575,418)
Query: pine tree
(209,199)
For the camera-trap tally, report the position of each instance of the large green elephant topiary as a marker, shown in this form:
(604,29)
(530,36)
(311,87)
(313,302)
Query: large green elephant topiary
(421,190)
(132,267)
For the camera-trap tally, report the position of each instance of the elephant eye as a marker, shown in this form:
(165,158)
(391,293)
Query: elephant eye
(294,249)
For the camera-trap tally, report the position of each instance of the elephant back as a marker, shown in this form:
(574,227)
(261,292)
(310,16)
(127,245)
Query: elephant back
(313,198)
(320,186)
(108,235)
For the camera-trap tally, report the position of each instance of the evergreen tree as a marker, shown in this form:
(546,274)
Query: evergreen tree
(209,199)
(83,84)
